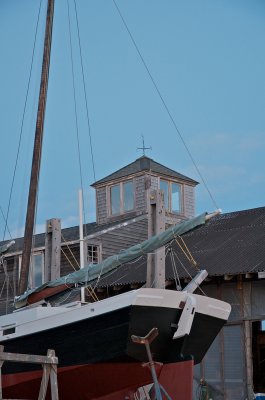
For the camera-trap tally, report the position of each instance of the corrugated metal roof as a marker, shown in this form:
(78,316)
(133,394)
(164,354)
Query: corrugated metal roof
(144,164)
(232,243)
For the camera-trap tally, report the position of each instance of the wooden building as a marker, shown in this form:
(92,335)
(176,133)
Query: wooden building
(231,248)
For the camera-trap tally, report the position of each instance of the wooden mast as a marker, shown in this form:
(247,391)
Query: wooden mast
(36,159)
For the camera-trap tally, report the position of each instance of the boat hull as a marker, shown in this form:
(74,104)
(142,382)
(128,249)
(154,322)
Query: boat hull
(110,381)
(107,338)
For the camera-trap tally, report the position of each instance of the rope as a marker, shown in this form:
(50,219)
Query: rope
(22,124)
(72,254)
(165,105)
(92,293)
(186,252)
(70,262)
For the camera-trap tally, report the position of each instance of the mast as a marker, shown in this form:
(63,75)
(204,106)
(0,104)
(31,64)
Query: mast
(37,150)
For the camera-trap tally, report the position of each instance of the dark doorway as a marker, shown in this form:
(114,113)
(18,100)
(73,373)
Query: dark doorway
(258,348)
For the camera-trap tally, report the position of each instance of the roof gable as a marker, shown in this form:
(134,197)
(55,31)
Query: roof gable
(144,164)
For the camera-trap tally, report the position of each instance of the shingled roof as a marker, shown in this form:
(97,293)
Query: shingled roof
(229,244)
(144,164)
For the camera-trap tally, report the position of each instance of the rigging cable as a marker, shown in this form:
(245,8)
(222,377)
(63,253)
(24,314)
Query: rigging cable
(86,104)
(187,272)
(4,218)
(74,91)
(175,271)
(22,123)
(85,92)
(165,105)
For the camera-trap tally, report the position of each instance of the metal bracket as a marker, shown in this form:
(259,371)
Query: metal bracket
(186,318)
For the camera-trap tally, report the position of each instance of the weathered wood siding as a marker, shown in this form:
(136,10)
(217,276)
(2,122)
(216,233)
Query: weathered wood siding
(189,201)
(154,183)
(115,241)
(140,194)
(101,205)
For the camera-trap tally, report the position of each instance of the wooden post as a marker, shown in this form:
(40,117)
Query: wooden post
(156,224)
(52,249)
(1,364)
(247,329)
(248,352)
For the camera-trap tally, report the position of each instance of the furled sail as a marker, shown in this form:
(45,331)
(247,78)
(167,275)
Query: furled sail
(92,271)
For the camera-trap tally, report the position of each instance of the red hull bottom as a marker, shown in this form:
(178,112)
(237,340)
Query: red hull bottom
(103,381)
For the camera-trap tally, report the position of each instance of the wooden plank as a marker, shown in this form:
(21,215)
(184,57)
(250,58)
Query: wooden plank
(28,358)
(44,382)
(54,383)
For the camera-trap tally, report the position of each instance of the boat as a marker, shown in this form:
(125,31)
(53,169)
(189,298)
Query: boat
(93,341)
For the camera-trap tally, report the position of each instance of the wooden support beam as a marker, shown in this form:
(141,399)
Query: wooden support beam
(156,224)
(52,249)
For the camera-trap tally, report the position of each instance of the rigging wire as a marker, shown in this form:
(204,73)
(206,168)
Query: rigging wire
(175,271)
(165,105)
(85,92)
(4,218)
(187,272)
(22,123)
(75,104)
(87,114)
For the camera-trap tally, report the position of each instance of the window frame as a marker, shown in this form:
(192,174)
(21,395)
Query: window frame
(99,252)
(169,200)
(121,198)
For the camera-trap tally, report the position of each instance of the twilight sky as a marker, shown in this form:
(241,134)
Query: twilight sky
(207,58)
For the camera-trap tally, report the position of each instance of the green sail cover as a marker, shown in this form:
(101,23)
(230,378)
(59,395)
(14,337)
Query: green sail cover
(93,271)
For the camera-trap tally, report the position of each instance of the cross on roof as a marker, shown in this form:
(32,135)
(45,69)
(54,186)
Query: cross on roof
(144,148)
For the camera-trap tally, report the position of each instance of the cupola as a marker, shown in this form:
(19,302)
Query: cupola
(123,193)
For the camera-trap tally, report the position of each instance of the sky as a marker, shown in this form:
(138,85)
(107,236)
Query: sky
(206,57)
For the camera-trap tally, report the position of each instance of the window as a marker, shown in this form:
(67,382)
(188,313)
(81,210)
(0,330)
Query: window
(164,186)
(175,198)
(122,198)
(36,272)
(172,195)
(93,254)
(128,196)
(37,269)
(115,199)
